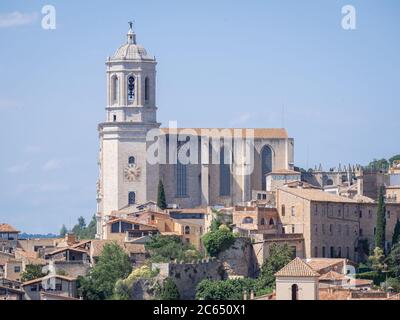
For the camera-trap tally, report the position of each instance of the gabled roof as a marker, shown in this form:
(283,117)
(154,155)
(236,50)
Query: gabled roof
(48,277)
(66,249)
(5,227)
(321,263)
(332,276)
(297,268)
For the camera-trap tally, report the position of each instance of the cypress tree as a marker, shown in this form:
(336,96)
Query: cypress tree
(396,233)
(381,221)
(161,202)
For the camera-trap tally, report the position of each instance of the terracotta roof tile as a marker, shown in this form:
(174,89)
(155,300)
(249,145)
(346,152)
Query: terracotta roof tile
(5,227)
(297,268)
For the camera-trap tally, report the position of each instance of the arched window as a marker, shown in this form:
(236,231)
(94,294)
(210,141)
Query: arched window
(266,164)
(114,89)
(329,182)
(295,289)
(131,198)
(247,220)
(131,160)
(181,180)
(262,221)
(131,88)
(271,222)
(224,174)
(187,230)
(146,89)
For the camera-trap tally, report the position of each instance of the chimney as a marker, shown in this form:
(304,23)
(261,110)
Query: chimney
(70,239)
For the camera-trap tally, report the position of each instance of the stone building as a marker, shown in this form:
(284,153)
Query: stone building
(332,226)
(219,174)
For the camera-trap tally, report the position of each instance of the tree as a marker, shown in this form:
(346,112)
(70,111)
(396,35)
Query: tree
(393,261)
(113,264)
(63,231)
(279,256)
(161,202)
(32,271)
(381,221)
(377,260)
(396,233)
(231,289)
(394,158)
(381,164)
(168,248)
(218,240)
(168,290)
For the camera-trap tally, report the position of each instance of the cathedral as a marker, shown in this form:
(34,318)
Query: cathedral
(128,178)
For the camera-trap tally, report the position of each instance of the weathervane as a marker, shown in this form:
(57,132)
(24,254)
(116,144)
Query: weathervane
(130,24)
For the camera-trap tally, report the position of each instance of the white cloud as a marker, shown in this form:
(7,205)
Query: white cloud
(52,164)
(17,168)
(16,18)
(241,119)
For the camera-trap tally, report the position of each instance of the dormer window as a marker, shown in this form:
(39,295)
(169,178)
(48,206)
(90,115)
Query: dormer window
(131,88)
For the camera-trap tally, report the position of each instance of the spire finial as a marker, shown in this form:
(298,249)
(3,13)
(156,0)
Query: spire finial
(131,35)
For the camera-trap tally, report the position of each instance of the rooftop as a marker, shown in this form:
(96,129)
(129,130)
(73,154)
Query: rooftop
(316,195)
(297,268)
(259,133)
(5,227)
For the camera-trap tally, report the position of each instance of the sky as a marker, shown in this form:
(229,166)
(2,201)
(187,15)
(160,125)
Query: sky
(256,63)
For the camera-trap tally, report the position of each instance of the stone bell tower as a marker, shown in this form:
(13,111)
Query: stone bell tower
(125,177)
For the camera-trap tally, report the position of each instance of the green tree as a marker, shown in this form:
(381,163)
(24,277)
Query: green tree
(279,256)
(63,231)
(393,261)
(381,164)
(394,158)
(377,260)
(218,240)
(396,233)
(161,202)
(381,221)
(168,290)
(231,289)
(32,271)
(113,264)
(168,248)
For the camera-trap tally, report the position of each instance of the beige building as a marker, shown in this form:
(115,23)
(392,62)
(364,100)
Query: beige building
(297,281)
(215,176)
(332,226)
(56,284)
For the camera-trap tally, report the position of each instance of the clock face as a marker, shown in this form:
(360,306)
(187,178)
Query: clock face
(132,172)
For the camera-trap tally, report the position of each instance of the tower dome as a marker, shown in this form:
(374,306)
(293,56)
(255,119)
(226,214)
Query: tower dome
(131,50)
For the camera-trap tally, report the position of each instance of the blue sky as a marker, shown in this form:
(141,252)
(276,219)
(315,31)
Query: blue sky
(220,64)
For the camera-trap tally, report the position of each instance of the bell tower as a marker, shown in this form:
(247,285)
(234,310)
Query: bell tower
(125,177)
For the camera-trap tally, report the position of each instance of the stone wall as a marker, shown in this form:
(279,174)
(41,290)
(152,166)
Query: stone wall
(239,259)
(188,275)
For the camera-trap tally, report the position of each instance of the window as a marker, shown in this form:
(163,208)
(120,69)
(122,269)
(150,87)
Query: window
(131,160)
(315,228)
(115,227)
(283,210)
(146,89)
(266,165)
(323,228)
(316,252)
(329,182)
(294,251)
(323,252)
(58,287)
(339,253)
(187,230)
(316,210)
(295,290)
(114,118)
(262,221)
(131,198)
(34,288)
(247,220)
(271,222)
(388,214)
(361,232)
(293,212)
(114,89)
(224,174)
(330,228)
(348,252)
(339,229)
(181,179)
(332,252)
(360,213)
(17,269)
(369,214)
(131,88)
(125,226)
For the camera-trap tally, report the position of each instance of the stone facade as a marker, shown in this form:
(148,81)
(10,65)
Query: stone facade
(127,177)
